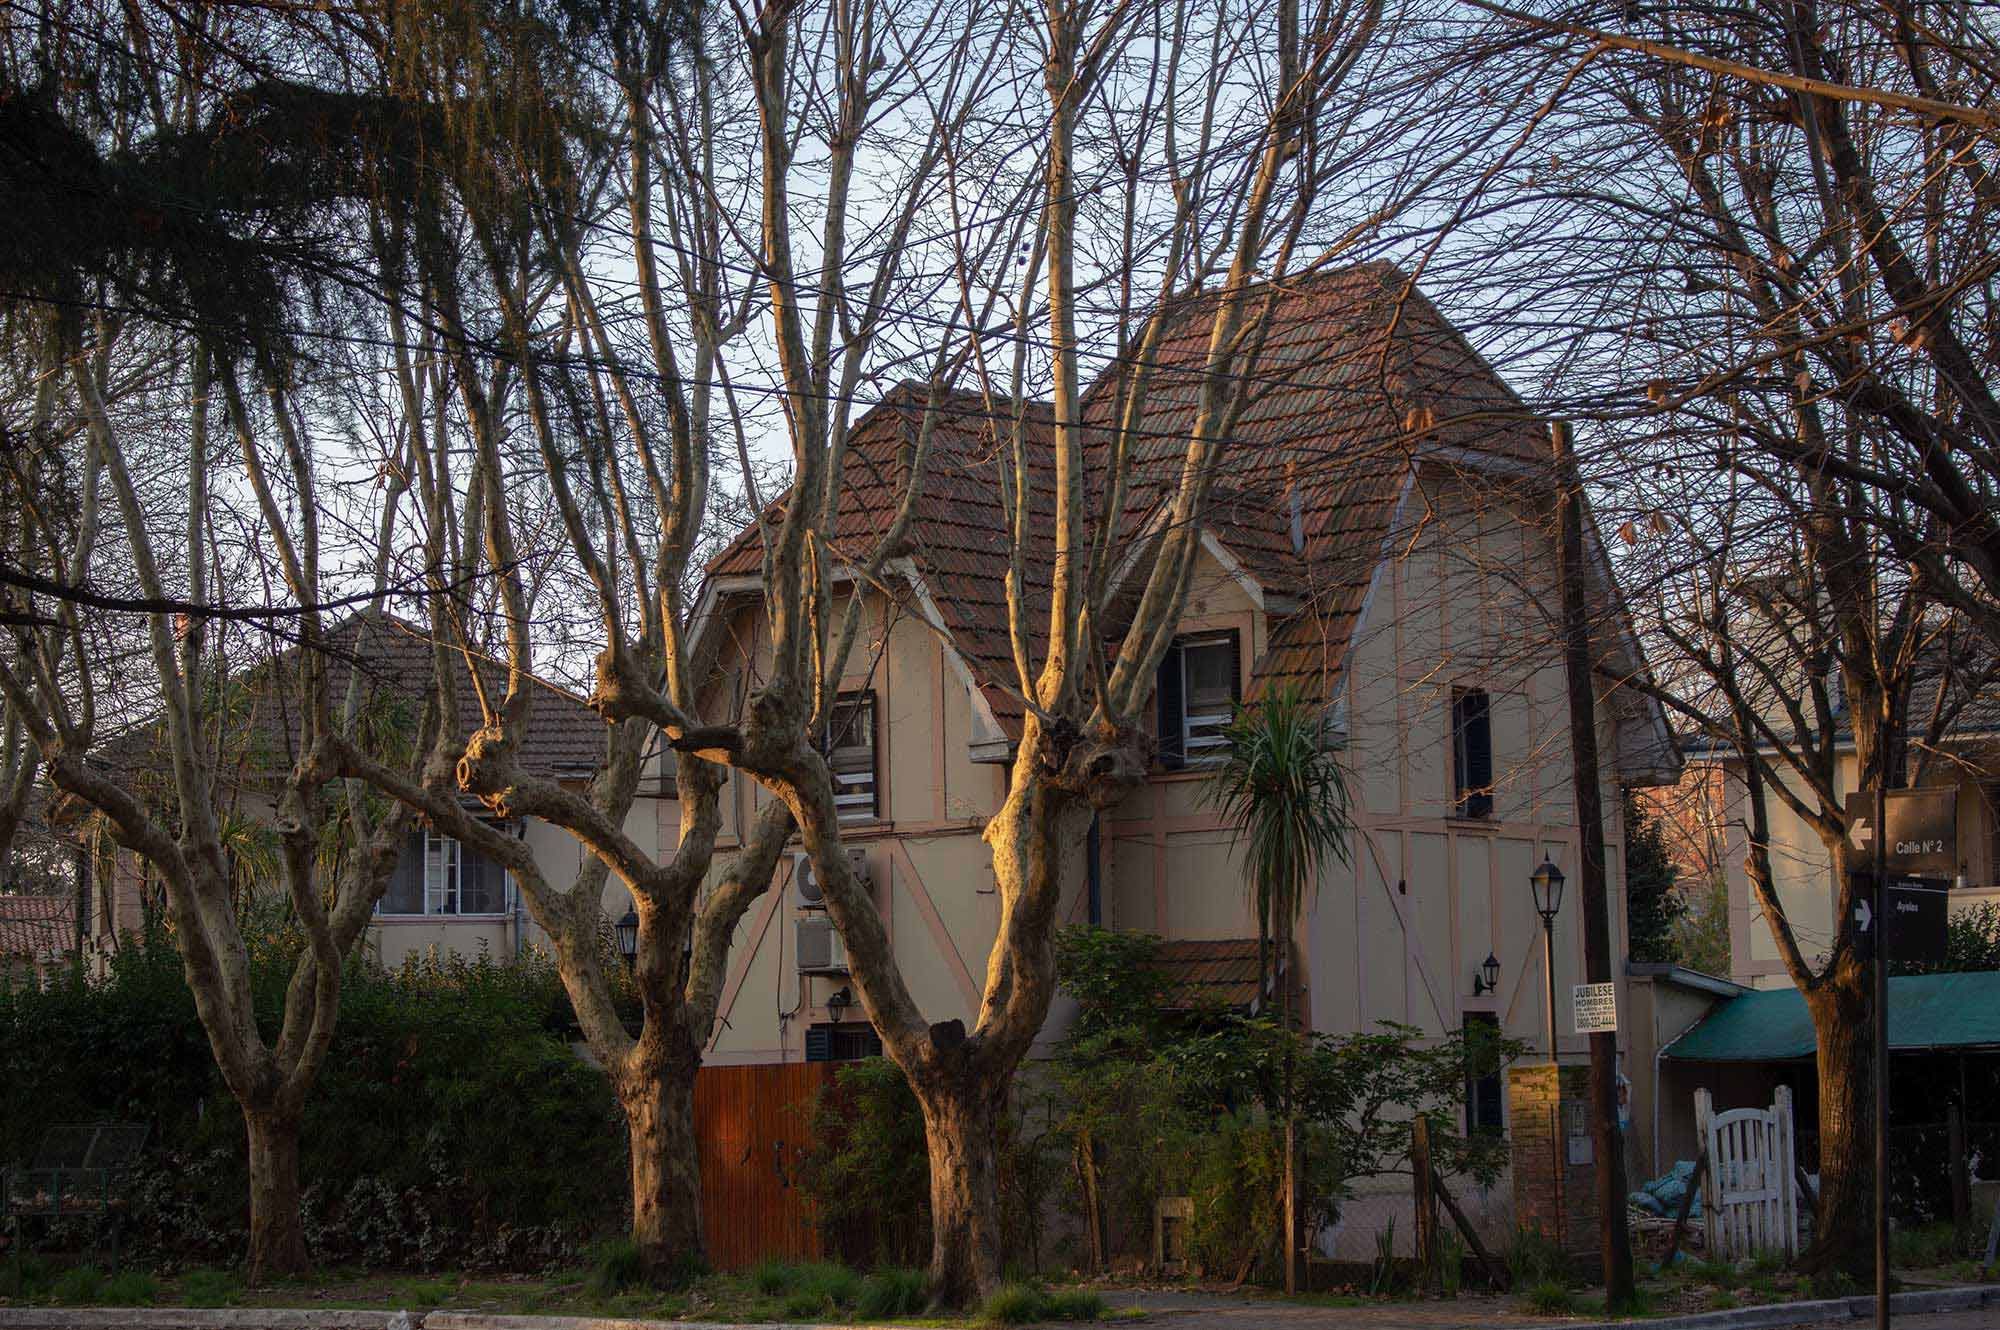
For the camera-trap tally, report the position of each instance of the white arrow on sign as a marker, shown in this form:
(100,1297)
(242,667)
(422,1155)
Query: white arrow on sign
(1863,916)
(1860,834)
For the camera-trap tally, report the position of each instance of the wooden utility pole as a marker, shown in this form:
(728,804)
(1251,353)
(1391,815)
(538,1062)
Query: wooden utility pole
(1615,1238)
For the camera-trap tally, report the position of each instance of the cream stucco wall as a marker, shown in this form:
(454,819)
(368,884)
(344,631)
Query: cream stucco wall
(1396,934)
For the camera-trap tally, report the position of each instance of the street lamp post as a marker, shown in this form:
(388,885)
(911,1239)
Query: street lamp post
(1547,882)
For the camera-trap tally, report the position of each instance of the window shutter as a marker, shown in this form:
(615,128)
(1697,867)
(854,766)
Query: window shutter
(1173,755)
(1235,665)
(819,1043)
(405,894)
(1472,751)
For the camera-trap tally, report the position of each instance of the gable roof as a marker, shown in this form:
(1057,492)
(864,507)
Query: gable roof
(1359,378)
(37,926)
(392,658)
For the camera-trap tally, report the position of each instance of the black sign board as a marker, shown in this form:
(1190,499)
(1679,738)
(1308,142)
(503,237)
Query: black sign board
(1915,923)
(1922,831)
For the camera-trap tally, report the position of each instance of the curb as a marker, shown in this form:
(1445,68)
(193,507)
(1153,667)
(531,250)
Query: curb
(495,1321)
(194,1318)
(1861,1307)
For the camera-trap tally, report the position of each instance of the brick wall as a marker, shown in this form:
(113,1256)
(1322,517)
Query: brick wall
(1550,1193)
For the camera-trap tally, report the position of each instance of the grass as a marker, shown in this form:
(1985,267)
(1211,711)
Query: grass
(1025,1304)
(888,1293)
(211,1288)
(78,1285)
(1551,1297)
(130,1288)
(1923,1247)
(1535,1258)
(775,1291)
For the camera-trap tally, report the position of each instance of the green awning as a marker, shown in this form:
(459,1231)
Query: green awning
(1926,1011)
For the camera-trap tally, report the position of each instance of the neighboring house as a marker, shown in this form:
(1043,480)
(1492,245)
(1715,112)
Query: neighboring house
(1380,535)
(444,897)
(1966,758)
(37,938)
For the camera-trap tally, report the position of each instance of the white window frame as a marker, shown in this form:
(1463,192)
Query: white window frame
(856,796)
(443,880)
(1202,734)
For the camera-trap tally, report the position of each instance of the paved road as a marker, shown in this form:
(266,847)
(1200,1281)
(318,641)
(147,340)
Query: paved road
(1200,1311)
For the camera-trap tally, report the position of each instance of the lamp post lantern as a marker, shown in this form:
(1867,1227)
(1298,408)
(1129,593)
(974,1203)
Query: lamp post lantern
(1547,882)
(627,931)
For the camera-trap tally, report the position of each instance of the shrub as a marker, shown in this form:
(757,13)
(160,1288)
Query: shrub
(771,1277)
(411,1154)
(1551,1297)
(868,1171)
(131,1288)
(1721,1300)
(78,1284)
(1235,1192)
(1013,1304)
(893,1293)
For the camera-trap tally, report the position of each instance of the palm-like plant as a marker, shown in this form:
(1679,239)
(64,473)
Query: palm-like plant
(1285,794)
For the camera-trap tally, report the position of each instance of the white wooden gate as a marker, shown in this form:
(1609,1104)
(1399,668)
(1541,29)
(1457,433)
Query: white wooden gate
(1749,1199)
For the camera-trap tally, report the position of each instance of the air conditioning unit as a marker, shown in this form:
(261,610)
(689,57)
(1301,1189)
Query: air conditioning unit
(805,883)
(820,949)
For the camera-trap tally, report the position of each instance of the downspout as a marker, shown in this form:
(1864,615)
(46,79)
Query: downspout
(1094,869)
(520,926)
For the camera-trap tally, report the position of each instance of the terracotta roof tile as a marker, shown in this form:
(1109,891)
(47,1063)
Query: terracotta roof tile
(38,926)
(566,738)
(1355,370)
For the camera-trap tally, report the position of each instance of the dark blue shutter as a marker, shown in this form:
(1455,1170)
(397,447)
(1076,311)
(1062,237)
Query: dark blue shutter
(1173,755)
(819,1043)
(405,894)
(1472,752)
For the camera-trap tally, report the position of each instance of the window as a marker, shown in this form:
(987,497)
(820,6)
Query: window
(437,875)
(1200,681)
(850,752)
(1471,753)
(842,1043)
(1482,1071)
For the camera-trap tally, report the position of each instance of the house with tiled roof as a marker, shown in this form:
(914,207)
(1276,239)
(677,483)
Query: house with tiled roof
(444,896)
(37,937)
(1380,535)
(1952,731)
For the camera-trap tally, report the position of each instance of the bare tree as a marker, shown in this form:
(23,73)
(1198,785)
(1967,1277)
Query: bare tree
(1231,111)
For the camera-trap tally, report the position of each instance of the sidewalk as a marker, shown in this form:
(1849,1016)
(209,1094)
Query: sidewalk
(1969,1308)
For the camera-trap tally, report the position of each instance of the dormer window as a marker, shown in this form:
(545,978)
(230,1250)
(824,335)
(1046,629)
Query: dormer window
(851,755)
(1199,685)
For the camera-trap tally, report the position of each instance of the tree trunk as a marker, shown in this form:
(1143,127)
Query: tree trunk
(277,1230)
(961,1127)
(1843,1222)
(666,1175)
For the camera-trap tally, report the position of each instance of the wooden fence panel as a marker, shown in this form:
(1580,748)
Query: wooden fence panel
(752,1123)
